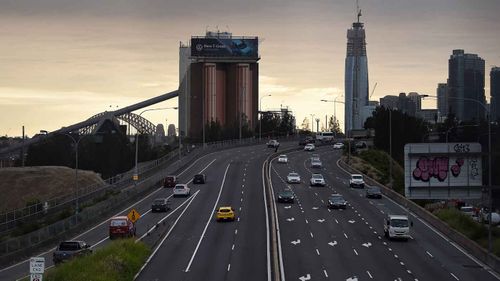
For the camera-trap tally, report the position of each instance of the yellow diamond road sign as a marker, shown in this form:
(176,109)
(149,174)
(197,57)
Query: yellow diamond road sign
(133,215)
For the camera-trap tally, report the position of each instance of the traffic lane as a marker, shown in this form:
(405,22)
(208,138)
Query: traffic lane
(432,258)
(178,248)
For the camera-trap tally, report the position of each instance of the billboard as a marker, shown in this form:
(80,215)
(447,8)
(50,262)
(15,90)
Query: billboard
(225,47)
(443,171)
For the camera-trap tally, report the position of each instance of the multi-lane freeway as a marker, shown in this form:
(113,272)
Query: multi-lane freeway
(313,242)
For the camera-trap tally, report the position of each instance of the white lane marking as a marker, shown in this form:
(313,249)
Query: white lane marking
(454,276)
(346,236)
(409,271)
(238,218)
(268,243)
(166,236)
(401,263)
(336,221)
(332,243)
(232,248)
(281,264)
(317,252)
(368,272)
(321,220)
(305,278)
(356,252)
(430,255)
(326,273)
(290,219)
(228,267)
(312,236)
(352,221)
(395,256)
(209,219)
(307,221)
(235,231)
(295,242)
(367,245)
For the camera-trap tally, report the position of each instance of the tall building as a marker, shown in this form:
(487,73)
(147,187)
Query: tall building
(417,100)
(495,93)
(391,102)
(356,77)
(219,80)
(442,99)
(466,86)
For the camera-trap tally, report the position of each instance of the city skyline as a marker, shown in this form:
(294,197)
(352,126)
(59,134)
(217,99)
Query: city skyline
(62,62)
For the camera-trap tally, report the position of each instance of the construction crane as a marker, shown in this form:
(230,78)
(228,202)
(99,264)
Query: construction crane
(373,90)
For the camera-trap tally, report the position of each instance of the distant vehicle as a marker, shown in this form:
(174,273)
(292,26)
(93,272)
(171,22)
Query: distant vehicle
(225,213)
(70,249)
(170,181)
(309,147)
(468,210)
(160,205)
(338,145)
(293,178)
(286,196)
(306,140)
(315,156)
(325,136)
(495,217)
(316,163)
(397,227)
(121,226)
(317,180)
(357,181)
(283,159)
(182,190)
(373,192)
(199,179)
(273,143)
(337,201)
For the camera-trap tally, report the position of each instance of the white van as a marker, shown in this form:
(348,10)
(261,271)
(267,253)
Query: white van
(397,227)
(325,136)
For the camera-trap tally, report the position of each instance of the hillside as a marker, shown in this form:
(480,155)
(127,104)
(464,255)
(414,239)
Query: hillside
(19,185)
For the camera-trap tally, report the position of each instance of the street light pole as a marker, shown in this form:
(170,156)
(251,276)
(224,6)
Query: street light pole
(260,113)
(390,147)
(312,122)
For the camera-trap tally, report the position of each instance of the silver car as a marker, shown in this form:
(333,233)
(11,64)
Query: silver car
(316,163)
(317,180)
(293,178)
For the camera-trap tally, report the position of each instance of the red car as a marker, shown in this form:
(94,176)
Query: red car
(170,181)
(121,226)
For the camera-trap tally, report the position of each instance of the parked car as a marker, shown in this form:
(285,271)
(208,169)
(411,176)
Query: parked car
(170,181)
(337,201)
(373,192)
(316,163)
(338,145)
(182,190)
(273,143)
(357,181)
(199,179)
(225,213)
(317,180)
(309,147)
(293,178)
(70,249)
(160,205)
(283,159)
(286,196)
(121,226)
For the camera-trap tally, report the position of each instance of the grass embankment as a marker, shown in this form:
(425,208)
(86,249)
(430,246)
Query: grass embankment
(473,230)
(120,261)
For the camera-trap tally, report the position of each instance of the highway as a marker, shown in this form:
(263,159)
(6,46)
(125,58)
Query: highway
(314,243)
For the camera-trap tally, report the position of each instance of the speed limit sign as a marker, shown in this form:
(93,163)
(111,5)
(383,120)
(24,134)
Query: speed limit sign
(36,277)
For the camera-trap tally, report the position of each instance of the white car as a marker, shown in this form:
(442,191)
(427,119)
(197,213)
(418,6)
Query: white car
(317,179)
(293,178)
(338,145)
(283,159)
(309,147)
(182,190)
(357,181)
(273,143)
(316,163)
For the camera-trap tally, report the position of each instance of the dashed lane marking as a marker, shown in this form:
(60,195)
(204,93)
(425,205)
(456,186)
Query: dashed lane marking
(430,255)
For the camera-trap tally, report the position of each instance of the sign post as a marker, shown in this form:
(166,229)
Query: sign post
(37,268)
(133,215)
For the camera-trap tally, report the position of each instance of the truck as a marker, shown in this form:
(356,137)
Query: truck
(397,227)
(70,249)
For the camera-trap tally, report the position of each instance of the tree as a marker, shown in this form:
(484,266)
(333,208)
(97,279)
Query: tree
(334,126)
(305,125)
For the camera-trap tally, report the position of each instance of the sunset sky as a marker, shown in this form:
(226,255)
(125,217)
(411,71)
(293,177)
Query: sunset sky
(62,61)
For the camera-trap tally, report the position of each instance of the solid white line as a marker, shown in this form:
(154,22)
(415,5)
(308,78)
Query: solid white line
(454,276)
(208,220)
(430,255)
(282,268)
(371,277)
(166,236)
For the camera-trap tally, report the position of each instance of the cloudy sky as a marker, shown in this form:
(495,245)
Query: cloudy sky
(62,61)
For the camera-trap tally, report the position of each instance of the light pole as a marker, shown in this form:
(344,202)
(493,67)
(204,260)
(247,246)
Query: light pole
(390,147)
(260,119)
(136,170)
(490,187)
(312,122)
(334,106)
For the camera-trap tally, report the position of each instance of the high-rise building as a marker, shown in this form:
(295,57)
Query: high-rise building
(416,98)
(442,99)
(356,77)
(219,80)
(495,93)
(390,102)
(466,86)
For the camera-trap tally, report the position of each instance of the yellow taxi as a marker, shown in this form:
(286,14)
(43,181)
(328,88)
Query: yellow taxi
(225,213)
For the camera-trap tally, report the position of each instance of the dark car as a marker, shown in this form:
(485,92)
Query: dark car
(286,196)
(160,205)
(373,192)
(70,249)
(170,181)
(306,140)
(199,179)
(337,201)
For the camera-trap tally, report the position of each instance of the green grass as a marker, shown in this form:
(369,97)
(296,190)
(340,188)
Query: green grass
(120,261)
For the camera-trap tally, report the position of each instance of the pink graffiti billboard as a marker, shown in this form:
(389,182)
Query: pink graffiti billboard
(443,170)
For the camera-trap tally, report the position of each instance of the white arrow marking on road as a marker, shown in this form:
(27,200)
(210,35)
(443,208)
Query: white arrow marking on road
(290,219)
(307,277)
(288,207)
(315,208)
(296,242)
(352,221)
(332,243)
(367,245)
(352,279)
(321,220)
